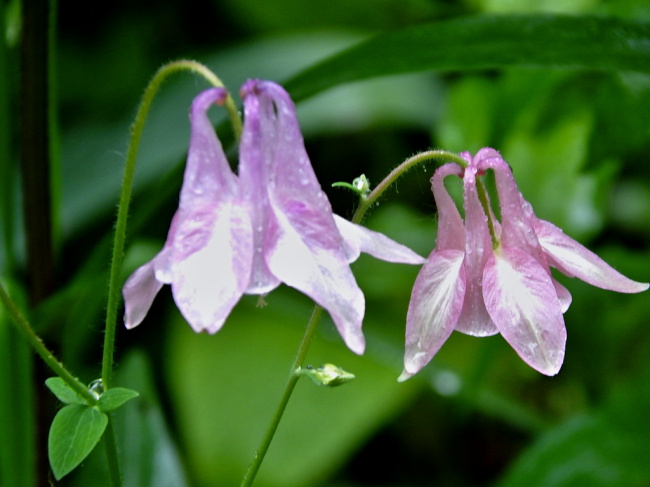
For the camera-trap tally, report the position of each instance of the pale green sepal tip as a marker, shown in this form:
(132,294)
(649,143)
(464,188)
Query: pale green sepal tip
(404,377)
(326,375)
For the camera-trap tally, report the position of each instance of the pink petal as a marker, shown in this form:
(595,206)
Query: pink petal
(310,264)
(139,292)
(563,295)
(523,303)
(436,303)
(212,243)
(359,239)
(302,245)
(207,173)
(573,259)
(474,319)
(451,231)
(517,217)
(256,161)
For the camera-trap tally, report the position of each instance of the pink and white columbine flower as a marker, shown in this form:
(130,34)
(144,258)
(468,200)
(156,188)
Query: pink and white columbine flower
(486,277)
(245,234)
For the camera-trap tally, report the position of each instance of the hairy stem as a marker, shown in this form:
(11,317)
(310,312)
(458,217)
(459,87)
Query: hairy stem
(37,344)
(395,174)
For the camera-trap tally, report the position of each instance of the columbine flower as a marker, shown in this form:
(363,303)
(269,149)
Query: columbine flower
(246,234)
(486,277)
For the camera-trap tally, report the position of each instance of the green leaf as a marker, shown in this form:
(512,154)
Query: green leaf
(485,42)
(75,431)
(608,447)
(63,391)
(115,397)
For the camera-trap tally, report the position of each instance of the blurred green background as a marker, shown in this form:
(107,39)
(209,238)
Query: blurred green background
(578,141)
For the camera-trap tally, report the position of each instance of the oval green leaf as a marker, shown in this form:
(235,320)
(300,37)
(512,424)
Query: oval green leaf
(75,431)
(115,397)
(63,391)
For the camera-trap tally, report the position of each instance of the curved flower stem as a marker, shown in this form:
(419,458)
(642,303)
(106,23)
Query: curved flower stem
(286,395)
(411,162)
(37,344)
(125,197)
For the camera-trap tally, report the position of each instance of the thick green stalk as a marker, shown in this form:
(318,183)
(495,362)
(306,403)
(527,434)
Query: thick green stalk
(110,448)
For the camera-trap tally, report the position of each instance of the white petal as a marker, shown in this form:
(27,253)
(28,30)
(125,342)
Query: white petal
(208,283)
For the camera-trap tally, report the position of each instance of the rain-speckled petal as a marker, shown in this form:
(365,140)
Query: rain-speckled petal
(436,303)
(575,260)
(523,303)
(256,159)
(208,176)
(302,246)
(439,290)
(209,282)
(212,245)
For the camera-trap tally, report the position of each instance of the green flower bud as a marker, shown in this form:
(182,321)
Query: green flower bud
(326,375)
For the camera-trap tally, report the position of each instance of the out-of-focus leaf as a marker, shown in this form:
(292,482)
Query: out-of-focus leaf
(371,14)
(607,448)
(63,391)
(149,456)
(75,431)
(485,42)
(17,411)
(225,389)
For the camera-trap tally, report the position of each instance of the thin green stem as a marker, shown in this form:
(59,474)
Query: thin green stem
(110,448)
(485,203)
(286,395)
(125,197)
(37,344)
(411,162)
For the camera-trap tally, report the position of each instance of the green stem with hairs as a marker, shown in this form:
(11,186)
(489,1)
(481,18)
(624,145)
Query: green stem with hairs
(37,344)
(410,163)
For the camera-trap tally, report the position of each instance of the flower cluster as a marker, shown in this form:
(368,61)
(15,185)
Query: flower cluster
(247,233)
(486,277)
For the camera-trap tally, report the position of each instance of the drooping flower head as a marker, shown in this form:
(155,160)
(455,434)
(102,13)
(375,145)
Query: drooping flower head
(486,277)
(245,234)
